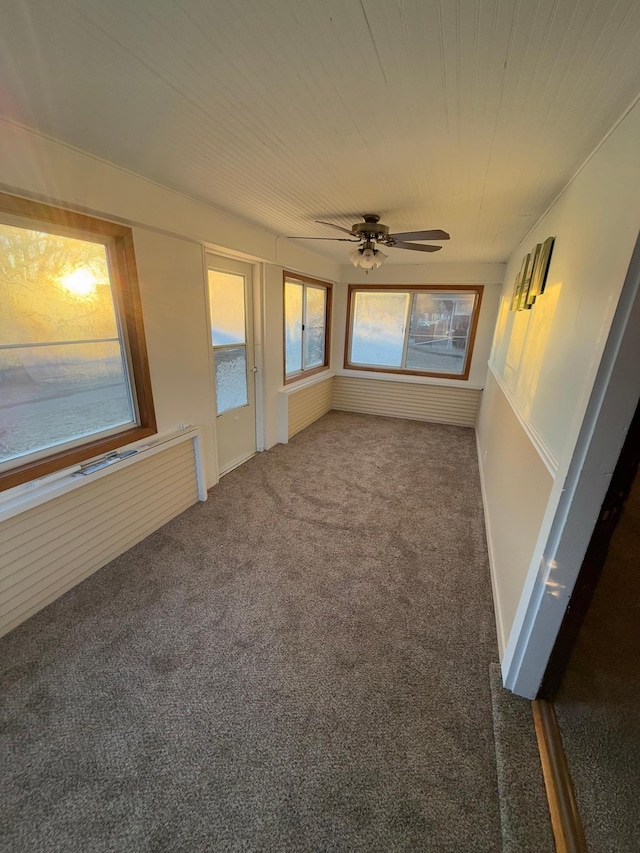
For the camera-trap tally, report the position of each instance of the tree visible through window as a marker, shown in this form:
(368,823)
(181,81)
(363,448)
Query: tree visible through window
(425,330)
(307,309)
(72,362)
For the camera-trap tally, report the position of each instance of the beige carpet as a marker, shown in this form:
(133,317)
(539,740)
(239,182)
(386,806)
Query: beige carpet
(299,664)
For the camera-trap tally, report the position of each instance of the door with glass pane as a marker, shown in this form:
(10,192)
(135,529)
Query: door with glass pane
(230,304)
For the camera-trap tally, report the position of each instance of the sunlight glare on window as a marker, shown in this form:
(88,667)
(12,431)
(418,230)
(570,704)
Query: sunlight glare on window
(229,336)
(314,327)
(226,299)
(293,326)
(63,374)
(307,313)
(81,282)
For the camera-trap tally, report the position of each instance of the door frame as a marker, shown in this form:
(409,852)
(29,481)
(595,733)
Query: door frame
(594,561)
(213,259)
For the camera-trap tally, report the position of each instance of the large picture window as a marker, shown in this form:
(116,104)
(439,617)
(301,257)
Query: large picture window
(307,321)
(74,378)
(423,330)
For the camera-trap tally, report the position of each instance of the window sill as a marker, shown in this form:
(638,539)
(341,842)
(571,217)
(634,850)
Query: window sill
(37,469)
(405,377)
(23,497)
(304,381)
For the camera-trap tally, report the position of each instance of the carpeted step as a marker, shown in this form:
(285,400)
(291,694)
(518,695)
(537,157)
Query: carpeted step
(524,812)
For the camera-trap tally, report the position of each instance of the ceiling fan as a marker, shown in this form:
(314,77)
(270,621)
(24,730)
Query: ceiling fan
(371,233)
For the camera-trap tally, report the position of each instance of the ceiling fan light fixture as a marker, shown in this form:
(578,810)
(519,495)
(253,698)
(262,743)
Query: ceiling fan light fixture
(354,256)
(367,258)
(380,258)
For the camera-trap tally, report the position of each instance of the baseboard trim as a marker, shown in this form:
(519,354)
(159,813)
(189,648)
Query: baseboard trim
(500,631)
(563,808)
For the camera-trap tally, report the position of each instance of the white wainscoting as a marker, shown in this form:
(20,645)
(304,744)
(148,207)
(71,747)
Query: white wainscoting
(52,541)
(516,487)
(420,402)
(308,404)
(301,405)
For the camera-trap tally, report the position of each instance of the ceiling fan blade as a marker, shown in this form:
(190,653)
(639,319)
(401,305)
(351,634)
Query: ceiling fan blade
(339,239)
(331,225)
(436,234)
(418,247)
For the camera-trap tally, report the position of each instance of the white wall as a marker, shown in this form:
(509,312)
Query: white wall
(170,272)
(548,357)
(513,510)
(277,396)
(545,360)
(577,498)
(274,363)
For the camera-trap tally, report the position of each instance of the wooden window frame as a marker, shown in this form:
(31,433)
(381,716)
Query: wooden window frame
(320,368)
(478,289)
(118,242)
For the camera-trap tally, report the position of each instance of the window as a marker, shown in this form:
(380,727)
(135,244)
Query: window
(423,330)
(307,322)
(228,312)
(74,378)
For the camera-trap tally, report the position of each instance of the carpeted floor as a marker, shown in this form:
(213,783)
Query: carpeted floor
(299,664)
(598,705)
(525,820)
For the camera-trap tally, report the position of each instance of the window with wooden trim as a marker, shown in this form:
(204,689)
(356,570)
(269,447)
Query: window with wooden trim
(307,324)
(424,330)
(74,376)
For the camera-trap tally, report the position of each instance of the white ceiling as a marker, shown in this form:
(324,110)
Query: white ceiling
(462,115)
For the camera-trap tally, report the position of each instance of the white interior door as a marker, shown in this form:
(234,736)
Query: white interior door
(231,317)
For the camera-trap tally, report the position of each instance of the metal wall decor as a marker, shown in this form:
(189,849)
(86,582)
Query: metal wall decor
(532,278)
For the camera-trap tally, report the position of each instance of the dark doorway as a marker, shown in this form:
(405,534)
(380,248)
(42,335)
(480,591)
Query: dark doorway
(594,560)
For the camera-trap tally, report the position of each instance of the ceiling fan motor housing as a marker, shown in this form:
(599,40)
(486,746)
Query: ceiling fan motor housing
(371,228)
(371,231)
